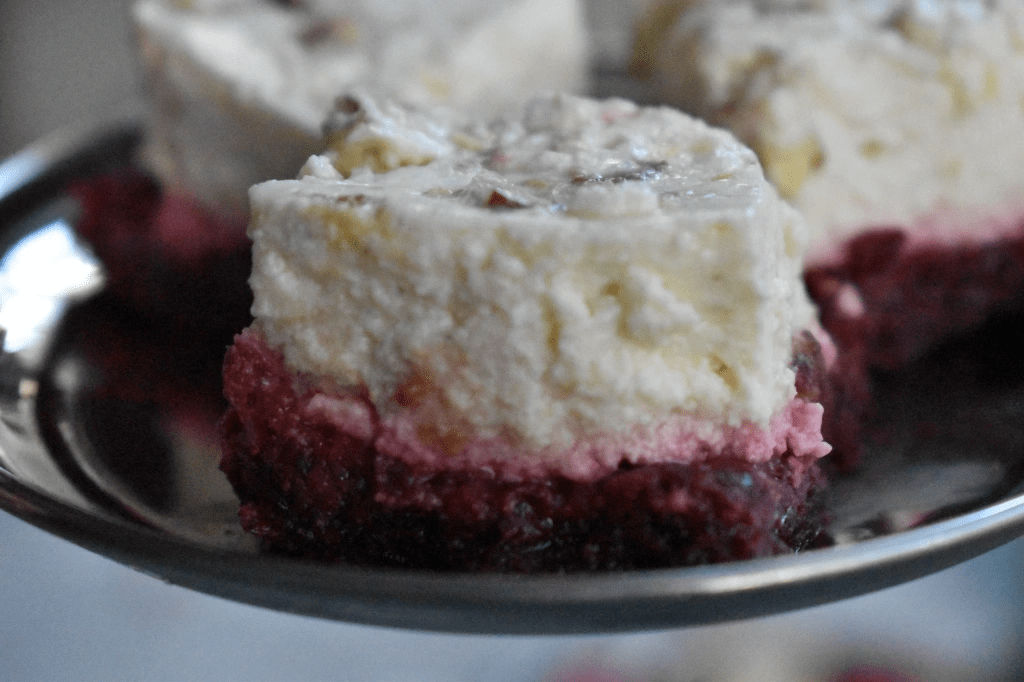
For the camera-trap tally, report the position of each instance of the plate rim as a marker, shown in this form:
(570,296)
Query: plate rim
(541,603)
(496,603)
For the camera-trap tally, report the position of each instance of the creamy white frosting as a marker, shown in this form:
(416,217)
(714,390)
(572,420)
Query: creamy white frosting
(864,112)
(239,88)
(585,268)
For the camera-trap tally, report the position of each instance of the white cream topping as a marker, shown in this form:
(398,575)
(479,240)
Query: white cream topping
(864,112)
(228,77)
(585,268)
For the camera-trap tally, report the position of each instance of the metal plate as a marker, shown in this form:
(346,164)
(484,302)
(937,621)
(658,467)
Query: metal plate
(102,453)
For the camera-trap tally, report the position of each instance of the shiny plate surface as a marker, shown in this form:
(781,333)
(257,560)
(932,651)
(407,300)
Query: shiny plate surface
(114,470)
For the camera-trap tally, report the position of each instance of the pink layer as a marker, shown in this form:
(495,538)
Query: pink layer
(796,429)
(941,229)
(686,440)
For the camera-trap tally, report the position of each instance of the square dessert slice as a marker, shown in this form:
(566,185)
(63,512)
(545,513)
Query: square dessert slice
(572,339)
(895,127)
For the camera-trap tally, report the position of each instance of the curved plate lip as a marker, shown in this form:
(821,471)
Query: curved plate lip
(68,149)
(473,602)
(532,604)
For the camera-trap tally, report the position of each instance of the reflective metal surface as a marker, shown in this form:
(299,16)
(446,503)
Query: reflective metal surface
(119,456)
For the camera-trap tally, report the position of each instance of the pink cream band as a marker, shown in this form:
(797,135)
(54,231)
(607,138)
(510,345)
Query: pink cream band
(685,440)
(942,229)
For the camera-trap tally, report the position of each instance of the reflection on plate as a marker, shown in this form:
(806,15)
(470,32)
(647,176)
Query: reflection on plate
(108,439)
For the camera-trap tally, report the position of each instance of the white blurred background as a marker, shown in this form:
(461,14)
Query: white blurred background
(66,614)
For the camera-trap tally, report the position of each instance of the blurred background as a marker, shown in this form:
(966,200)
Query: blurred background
(62,63)
(68,614)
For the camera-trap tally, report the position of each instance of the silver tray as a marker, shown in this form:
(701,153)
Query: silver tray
(137,481)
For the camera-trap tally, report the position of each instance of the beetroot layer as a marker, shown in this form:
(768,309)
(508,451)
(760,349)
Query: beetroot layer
(165,256)
(310,490)
(908,298)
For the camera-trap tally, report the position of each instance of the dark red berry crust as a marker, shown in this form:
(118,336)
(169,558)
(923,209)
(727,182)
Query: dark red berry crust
(913,297)
(310,490)
(165,256)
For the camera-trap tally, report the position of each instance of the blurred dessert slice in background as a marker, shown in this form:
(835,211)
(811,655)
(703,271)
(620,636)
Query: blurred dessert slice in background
(895,127)
(238,90)
(236,93)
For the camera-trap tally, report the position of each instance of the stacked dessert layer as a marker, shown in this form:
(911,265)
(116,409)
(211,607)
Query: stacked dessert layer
(570,339)
(895,127)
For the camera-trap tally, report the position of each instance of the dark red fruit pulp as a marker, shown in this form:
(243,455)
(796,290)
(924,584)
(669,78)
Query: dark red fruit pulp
(309,490)
(914,297)
(165,256)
